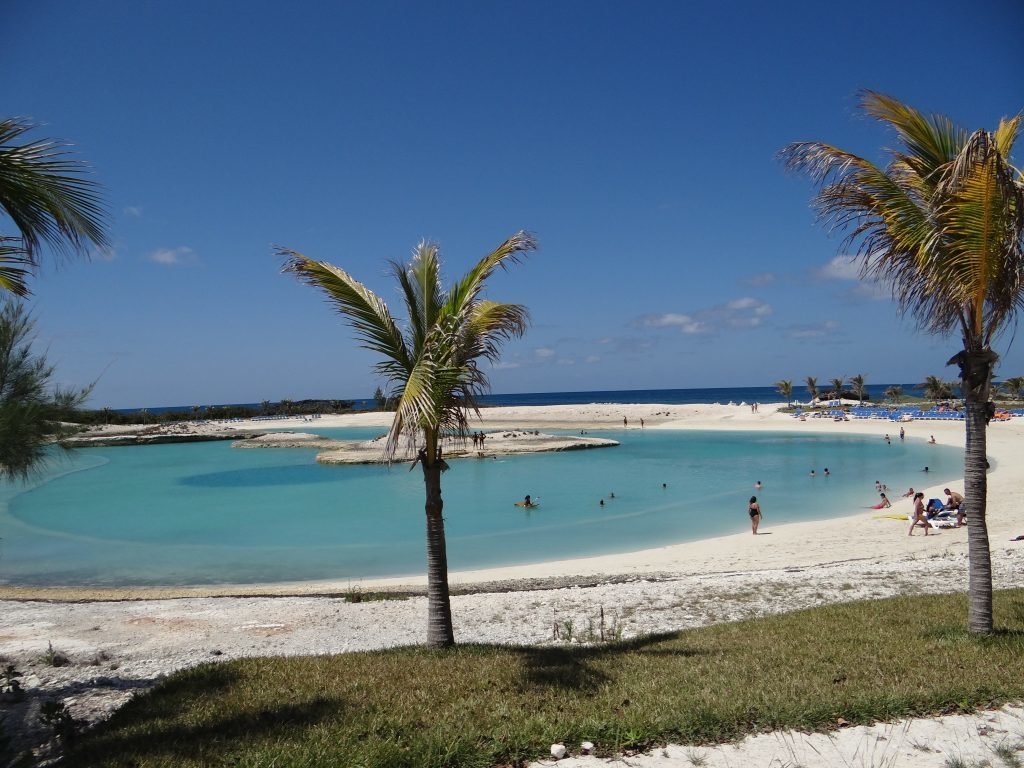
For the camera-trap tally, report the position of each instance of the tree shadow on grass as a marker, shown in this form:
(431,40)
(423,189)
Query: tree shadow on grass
(574,668)
(138,734)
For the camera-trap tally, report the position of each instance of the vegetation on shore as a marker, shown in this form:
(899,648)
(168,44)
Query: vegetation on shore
(480,705)
(282,408)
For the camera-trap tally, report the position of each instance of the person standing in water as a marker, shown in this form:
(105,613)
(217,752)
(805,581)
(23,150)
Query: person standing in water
(754,510)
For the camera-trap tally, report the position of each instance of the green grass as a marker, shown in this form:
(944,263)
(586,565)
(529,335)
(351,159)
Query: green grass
(487,705)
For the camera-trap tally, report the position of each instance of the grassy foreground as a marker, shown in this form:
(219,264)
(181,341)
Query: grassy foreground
(499,705)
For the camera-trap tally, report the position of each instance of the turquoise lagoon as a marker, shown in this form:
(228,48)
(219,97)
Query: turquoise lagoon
(206,513)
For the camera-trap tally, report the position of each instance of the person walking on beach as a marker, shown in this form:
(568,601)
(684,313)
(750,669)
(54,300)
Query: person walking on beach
(902,433)
(919,514)
(754,510)
(625,422)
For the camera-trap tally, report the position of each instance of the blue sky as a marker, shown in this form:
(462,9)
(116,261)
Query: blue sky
(636,140)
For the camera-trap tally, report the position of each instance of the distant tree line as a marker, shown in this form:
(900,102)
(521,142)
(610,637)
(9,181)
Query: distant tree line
(933,388)
(211,412)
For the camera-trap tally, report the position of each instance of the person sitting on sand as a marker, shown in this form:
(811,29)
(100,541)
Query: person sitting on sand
(918,515)
(754,510)
(931,440)
(883,504)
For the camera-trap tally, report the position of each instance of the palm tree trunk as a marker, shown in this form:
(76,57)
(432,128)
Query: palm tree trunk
(440,633)
(976,378)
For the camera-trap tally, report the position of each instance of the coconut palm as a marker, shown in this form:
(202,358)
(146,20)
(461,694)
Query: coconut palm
(430,367)
(935,388)
(812,387)
(785,388)
(837,387)
(858,387)
(1014,386)
(45,193)
(894,393)
(943,226)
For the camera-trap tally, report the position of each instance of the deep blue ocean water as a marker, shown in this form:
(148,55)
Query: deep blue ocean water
(205,513)
(875,392)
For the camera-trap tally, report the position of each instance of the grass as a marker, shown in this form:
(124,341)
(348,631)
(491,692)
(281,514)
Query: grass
(500,705)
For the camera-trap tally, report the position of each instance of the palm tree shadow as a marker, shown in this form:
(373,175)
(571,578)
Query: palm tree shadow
(149,727)
(575,668)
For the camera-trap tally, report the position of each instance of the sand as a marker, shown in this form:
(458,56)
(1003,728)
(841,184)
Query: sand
(117,648)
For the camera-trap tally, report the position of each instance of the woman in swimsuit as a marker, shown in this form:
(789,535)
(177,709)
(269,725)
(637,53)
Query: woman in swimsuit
(919,514)
(754,510)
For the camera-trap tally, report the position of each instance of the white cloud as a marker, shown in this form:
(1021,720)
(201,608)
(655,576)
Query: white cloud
(685,323)
(745,312)
(170,256)
(821,330)
(593,359)
(840,268)
(501,364)
(544,353)
(764,278)
(135,211)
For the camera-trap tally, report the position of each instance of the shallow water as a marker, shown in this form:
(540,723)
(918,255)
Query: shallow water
(204,513)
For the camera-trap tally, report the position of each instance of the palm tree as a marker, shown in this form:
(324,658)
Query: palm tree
(837,387)
(33,413)
(1014,386)
(936,389)
(943,226)
(894,393)
(43,190)
(812,387)
(857,384)
(785,388)
(430,366)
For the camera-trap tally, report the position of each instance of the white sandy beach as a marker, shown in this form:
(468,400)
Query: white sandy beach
(664,589)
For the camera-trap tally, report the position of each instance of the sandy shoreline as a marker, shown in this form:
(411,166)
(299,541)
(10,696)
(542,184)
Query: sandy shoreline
(119,648)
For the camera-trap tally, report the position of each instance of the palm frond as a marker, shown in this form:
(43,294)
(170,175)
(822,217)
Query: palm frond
(367,313)
(15,266)
(46,193)
(930,142)
(512,251)
(981,214)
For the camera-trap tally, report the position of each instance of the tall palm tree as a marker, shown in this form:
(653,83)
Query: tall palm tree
(785,388)
(812,387)
(431,368)
(894,393)
(837,387)
(935,388)
(943,226)
(857,384)
(45,193)
(1014,386)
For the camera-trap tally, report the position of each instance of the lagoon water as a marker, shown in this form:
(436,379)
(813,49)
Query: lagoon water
(205,513)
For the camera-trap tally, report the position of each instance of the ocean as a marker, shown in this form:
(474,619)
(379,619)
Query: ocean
(875,392)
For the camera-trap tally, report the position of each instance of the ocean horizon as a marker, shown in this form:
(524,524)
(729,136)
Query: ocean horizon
(684,396)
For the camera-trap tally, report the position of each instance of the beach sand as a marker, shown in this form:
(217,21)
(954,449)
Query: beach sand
(669,588)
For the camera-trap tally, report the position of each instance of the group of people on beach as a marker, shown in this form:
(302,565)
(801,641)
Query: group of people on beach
(925,514)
